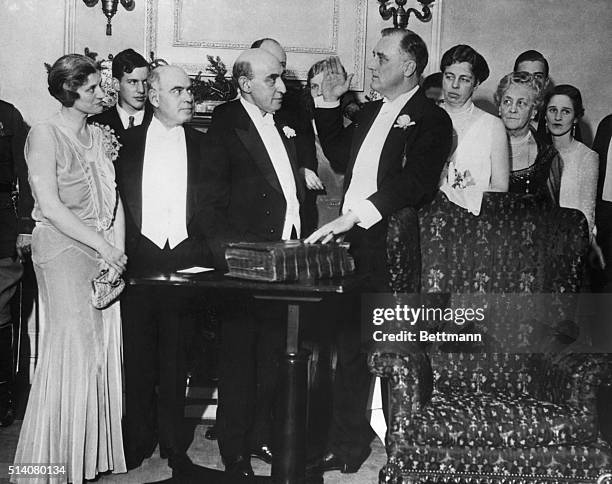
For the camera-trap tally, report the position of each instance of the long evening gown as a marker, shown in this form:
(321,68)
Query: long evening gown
(74,410)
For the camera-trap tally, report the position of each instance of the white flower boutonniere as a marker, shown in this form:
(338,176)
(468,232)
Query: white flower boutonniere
(403,122)
(289,132)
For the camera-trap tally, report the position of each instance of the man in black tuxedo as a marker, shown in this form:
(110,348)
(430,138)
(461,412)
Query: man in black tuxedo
(253,192)
(158,177)
(295,110)
(392,157)
(603,208)
(130,71)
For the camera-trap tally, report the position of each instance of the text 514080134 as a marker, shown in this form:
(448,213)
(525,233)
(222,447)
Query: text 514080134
(33,470)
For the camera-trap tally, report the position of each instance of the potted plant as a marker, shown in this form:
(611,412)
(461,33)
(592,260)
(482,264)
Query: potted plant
(209,92)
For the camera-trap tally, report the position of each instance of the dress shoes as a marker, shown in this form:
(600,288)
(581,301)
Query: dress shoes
(135,457)
(331,462)
(262,452)
(7,407)
(180,463)
(239,466)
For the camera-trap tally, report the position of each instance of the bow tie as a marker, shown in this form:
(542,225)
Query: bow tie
(268,119)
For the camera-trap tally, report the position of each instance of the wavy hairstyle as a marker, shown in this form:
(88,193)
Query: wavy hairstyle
(524,79)
(67,74)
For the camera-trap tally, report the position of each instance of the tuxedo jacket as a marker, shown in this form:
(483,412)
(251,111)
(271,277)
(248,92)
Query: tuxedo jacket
(129,171)
(603,209)
(411,159)
(294,112)
(242,194)
(111,118)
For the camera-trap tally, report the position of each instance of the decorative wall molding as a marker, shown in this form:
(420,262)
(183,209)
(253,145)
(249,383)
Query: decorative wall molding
(69,26)
(435,49)
(330,49)
(335,27)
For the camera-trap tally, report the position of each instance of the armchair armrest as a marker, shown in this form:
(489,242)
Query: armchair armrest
(409,379)
(576,378)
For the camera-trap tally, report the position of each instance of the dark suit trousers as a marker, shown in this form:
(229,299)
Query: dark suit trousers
(350,433)
(158,327)
(252,337)
(604,239)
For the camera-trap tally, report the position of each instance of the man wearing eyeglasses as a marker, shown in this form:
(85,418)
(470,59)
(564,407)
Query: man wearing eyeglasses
(130,71)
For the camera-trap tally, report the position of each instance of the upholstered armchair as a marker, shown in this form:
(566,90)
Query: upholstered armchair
(521,407)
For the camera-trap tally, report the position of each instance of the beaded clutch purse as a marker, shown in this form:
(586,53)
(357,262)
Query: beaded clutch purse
(104,291)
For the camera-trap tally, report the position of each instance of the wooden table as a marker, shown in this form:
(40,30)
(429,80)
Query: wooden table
(289,463)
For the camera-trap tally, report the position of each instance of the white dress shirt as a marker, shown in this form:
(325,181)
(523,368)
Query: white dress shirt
(365,171)
(164,185)
(282,166)
(125,117)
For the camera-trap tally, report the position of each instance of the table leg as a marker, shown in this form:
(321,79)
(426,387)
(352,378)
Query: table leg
(289,464)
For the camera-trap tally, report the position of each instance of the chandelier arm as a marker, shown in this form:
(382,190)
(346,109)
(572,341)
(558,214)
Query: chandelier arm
(385,11)
(424,16)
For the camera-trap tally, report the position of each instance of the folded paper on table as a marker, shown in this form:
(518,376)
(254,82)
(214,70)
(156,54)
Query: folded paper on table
(195,270)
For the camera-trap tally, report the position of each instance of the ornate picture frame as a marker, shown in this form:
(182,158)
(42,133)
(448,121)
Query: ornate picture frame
(184,32)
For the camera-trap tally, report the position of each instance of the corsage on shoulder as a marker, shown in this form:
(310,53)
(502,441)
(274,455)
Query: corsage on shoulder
(110,141)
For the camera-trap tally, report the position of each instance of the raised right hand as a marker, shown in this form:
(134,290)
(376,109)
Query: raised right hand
(335,81)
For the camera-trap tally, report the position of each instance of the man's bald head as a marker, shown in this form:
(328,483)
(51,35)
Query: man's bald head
(251,59)
(273,47)
(170,95)
(258,75)
(162,73)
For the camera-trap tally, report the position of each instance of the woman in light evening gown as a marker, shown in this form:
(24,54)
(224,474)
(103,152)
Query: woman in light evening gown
(73,417)
(563,110)
(479,155)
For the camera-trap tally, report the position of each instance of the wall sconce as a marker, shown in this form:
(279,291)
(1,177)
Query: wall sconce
(109,7)
(401,15)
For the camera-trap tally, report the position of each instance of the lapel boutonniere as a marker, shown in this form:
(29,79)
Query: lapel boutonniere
(403,121)
(289,132)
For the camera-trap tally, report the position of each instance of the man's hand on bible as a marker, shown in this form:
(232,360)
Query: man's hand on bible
(336,227)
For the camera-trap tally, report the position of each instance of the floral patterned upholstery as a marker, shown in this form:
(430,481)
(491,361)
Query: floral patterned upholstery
(486,414)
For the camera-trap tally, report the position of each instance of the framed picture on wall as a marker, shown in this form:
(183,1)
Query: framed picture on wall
(184,32)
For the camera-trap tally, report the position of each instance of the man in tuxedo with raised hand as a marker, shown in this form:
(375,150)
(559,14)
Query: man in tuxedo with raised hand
(252,191)
(392,156)
(159,180)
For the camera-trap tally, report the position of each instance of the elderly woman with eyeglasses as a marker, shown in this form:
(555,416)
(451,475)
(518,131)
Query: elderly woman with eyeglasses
(479,156)
(534,164)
